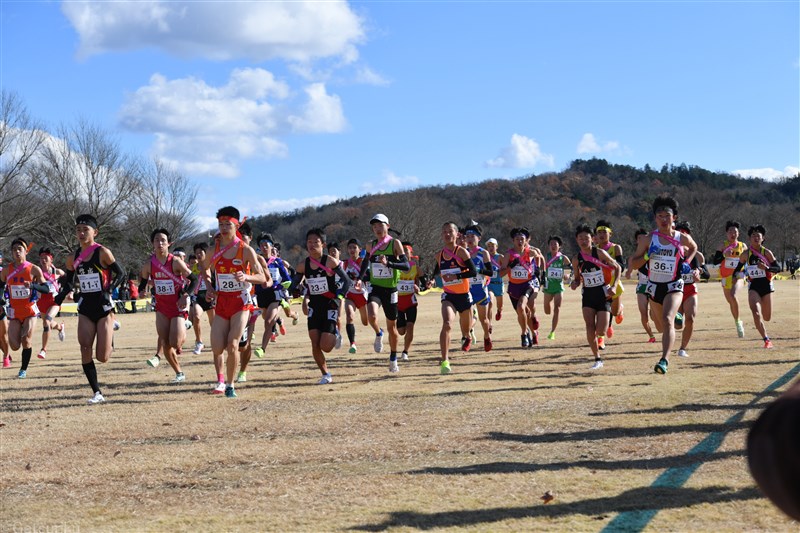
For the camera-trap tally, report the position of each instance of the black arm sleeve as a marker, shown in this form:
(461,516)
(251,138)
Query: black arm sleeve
(66,286)
(621,260)
(142,284)
(2,293)
(435,269)
(487,270)
(363,273)
(118,275)
(44,288)
(297,279)
(470,273)
(718,258)
(194,281)
(739,267)
(704,273)
(401,264)
(341,291)
(774,267)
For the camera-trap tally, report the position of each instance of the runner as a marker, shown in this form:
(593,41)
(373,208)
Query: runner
(478,284)
(97,274)
(333,251)
(407,290)
(24,281)
(199,303)
(496,288)
(46,303)
(555,263)
(231,262)
(523,265)
(641,289)
(691,273)
(319,270)
(270,297)
(168,273)
(663,252)
(383,263)
(454,266)
(603,235)
(760,265)
(727,257)
(595,269)
(356,297)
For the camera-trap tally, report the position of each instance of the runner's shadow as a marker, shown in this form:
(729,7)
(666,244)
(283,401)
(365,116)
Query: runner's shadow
(639,499)
(691,407)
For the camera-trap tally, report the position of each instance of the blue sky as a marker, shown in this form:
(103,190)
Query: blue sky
(271,106)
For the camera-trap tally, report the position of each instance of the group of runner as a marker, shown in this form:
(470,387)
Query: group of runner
(234,283)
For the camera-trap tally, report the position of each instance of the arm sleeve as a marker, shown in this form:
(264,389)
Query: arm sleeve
(194,281)
(704,273)
(774,267)
(401,264)
(718,258)
(341,291)
(44,288)
(118,276)
(621,260)
(143,284)
(739,267)
(364,272)
(2,293)
(66,286)
(487,269)
(470,272)
(297,279)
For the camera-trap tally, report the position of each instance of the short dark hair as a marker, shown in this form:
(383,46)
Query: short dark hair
(86,220)
(684,226)
(354,241)
(157,231)
(45,250)
(318,232)
(731,224)
(522,229)
(200,246)
(245,229)
(756,228)
(601,223)
(555,238)
(228,211)
(265,237)
(179,250)
(665,201)
(640,231)
(333,245)
(22,242)
(584,228)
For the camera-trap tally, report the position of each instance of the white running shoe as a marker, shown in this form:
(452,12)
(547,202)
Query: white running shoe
(393,367)
(42,354)
(61,334)
(117,325)
(378,345)
(97,398)
(338,339)
(154,361)
(220,388)
(740,329)
(198,347)
(179,378)
(326,379)
(404,356)
(682,353)
(598,364)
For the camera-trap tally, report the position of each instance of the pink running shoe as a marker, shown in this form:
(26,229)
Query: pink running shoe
(768,344)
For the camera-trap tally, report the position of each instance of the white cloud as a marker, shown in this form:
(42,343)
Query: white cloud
(522,153)
(369,77)
(768,174)
(202,129)
(321,114)
(288,204)
(589,145)
(390,182)
(292,30)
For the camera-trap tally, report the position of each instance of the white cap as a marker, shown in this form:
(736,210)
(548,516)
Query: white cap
(492,241)
(380,217)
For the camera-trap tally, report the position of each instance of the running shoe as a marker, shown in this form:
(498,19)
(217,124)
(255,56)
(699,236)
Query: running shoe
(740,329)
(295,319)
(22,374)
(353,348)
(682,353)
(598,364)
(220,388)
(524,340)
(535,339)
(652,340)
(487,345)
(393,367)
(97,398)
(444,367)
(601,343)
(180,377)
(42,354)
(404,356)
(178,350)
(273,337)
(188,324)
(472,336)
(378,345)
(619,318)
(62,333)
(678,320)
(198,348)
(338,339)
(6,362)
(610,332)
(661,366)
(259,351)
(768,344)
(117,325)
(466,344)
(241,377)
(230,392)
(326,379)
(154,361)
(282,328)
(498,315)
(551,336)
(535,323)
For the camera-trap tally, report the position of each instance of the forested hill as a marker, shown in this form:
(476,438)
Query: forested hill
(554,203)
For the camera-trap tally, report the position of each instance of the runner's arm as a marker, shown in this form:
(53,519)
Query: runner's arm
(66,282)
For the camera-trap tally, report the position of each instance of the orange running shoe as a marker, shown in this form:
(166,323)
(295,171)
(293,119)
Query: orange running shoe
(619,318)
(768,344)
(610,332)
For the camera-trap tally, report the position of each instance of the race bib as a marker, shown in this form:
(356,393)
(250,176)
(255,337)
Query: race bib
(555,273)
(662,268)
(731,262)
(275,274)
(593,279)
(380,271)
(453,271)
(688,278)
(642,278)
(317,286)
(477,280)
(202,287)
(405,286)
(164,287)
(754,272)
(519,272)
(229,283)
(19,292)
(90,282)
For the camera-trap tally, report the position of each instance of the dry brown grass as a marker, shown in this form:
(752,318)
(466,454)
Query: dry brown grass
(474,450)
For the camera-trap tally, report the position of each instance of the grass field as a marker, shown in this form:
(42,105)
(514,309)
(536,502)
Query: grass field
(621,448)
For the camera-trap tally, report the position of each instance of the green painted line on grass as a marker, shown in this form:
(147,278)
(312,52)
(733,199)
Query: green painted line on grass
(675,477)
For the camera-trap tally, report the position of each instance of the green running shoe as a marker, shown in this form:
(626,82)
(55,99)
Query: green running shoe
(661,366)
(551,336)
(444,367)
(259,352)
(230,392)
